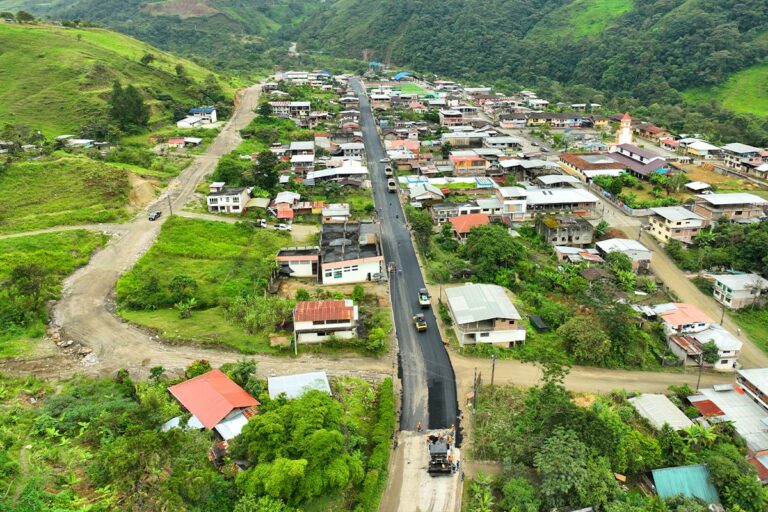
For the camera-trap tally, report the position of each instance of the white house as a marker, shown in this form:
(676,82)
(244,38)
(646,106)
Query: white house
(738,290)
(299,261)
(689,347)
(682,318)
(223,199)
(317,321)
(352,149)
(206,114)
(637,252)
(424,192)
(483,313)
(513,202)
(350,252)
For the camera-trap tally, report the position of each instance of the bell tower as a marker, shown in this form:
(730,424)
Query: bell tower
(624,135)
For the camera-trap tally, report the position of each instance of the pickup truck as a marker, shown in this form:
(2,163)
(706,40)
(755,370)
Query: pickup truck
(388,172)
(424,298)
(391,185)
(420,322)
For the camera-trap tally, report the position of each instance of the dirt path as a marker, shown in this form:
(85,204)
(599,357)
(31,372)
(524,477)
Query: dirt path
(112,229)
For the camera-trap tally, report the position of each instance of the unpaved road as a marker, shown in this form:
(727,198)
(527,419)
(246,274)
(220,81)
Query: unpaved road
(83,312)
(112,229)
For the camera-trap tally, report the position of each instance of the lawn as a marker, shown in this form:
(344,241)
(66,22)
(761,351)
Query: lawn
(219,262)
(755,325)
(58,254)
(743,92)
(61,191)
(412,89)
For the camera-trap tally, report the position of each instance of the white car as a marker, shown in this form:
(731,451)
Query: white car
(385,160)
(283,227)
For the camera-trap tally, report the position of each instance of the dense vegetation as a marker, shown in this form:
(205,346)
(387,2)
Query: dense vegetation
(60,190)
(96,445)
(560,452)
(31,271)
(56,79)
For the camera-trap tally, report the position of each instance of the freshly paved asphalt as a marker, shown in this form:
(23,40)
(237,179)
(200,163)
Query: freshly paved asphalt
(429,384)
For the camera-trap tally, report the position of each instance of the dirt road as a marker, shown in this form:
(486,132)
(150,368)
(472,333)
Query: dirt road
(112,229)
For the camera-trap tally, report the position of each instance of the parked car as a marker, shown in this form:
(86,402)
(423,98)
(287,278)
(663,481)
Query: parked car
(261,223)
(155,215)
(283,227)
(420,321)
(385,160)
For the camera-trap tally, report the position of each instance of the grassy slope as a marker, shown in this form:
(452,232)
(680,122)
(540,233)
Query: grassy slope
(60,254)
(63,191)
(225,260)
(744,92)
(581,18)
(48,81)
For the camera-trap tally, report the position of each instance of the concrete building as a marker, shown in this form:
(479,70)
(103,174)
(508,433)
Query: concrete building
(738,206)
(675,223)
(569,230)
(739,290)
(483,313)
(223,199)
(688,347)
(560,200)
(513,203)
(637,252)
(317,321)
(299,261)
(350,253)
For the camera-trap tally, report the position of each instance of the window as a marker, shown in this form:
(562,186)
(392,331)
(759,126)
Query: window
(337,274)
(328,273)
(723,361)
(236,199)
(213,200)
(485,334)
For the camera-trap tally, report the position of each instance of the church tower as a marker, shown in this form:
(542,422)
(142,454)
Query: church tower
(624,135)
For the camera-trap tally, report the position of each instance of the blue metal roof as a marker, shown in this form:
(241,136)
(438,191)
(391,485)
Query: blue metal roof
(690,481)
(202,110)
(401,75)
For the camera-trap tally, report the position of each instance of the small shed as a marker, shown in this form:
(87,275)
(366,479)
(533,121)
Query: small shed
(293,386)
(690,481)
(658,410)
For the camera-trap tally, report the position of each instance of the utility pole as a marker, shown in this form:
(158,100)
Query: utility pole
(493,368)
(722,315)
(474,396)
(701,365)
(170,204)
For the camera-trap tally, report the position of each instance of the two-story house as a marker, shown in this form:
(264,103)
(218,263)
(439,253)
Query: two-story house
(739,290)
(737,206)
(468,163)
(449,117)
(675,223)
(639,254)
(223,199)
(570,230)
(483,313)
(689,347)
(513,203)
(740,156)
(317,321)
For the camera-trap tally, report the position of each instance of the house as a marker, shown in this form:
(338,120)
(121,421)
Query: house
(302,164)
(350,171)
(299,261)
(513,203)
(483,313)
(223,199)
(216,403)
(207,115)
(698,186)
(352,149)
(442,213)
(317,321)
(463,224)
(560,200)
(738,290)
(350,102)
(652,132)
(525,169)
(689,481)
(301,148)
(503,142)
(639,162)
(659,411)
(703,149)
(450,117)
(569,230)
(688,347)
(335,213)
(737,206)
(350,253)
(738,156)
(577,254)
(639,254)
(425,193)
(682,318)
(381,101)
(176,142)
(556,181)
(291,109)
(468,163)
(675,223)
(323,140)
(294,386)
(590,165)
(282,205)
(464,138)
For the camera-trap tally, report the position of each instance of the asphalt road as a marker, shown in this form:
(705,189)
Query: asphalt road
(429,386)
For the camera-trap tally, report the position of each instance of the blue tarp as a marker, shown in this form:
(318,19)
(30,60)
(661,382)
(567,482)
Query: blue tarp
(401,75)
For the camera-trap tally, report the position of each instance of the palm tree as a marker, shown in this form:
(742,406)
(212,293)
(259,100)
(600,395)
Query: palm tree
(699,436)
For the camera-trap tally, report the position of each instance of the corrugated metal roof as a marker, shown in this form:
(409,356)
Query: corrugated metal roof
(293,386)
(311,311)
(479,302)
(211,397)
(658,409)
(690,481)
(745,414)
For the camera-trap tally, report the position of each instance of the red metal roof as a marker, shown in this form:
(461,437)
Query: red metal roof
(762,471)
(707,408)
(211,396)
(463,223)
(313,311)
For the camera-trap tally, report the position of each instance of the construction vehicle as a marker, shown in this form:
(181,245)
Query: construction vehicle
(420,321)
(391,185)
(424,298)
(443,455)
(388,172)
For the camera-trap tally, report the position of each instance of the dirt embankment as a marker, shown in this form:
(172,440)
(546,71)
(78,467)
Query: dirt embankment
(143,191)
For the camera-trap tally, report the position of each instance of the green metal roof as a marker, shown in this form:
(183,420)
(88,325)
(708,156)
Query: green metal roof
(690,481)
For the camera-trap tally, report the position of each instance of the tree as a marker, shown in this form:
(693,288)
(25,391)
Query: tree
(588,344)
(127,108)
(735,480)
(699,437)
(421,224)
(28,284)
(601,228)
(482,499)
(182,287)
(519,496)
(264,171)
(302,295)
(210,90)
(265,110)
(673,447)
(24,17)
(492,250)
(445,150)
(253,503)
(709,352)
(358,293)
(147,59)
(156,373)
(198,367)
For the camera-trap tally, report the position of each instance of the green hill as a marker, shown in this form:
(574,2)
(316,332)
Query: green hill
(55,79)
